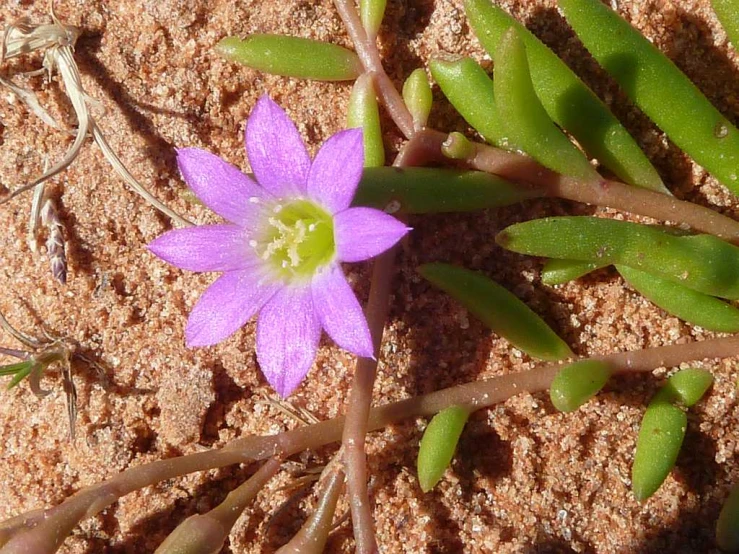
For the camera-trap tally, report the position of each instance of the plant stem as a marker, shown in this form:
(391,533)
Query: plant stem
(360,402)
(602,192)
(472,396)
(312,537)
(370,58)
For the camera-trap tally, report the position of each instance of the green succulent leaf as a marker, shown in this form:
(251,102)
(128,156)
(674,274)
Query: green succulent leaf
(471,92)
(372,12)
(500,310)
(660,437)
(577,383)
(558,272)
(292,57)
(524,119)
(438,444)
(363,112)
(688,386)
(694,307)
(658,87)
(703,263)
(728,14)
(567,100)
(421,190)
(417,96)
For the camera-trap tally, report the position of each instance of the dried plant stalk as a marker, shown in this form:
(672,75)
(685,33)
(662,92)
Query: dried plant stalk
(56,41)
(55,241)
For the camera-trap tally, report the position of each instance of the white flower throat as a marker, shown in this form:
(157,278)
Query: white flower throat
(295,239)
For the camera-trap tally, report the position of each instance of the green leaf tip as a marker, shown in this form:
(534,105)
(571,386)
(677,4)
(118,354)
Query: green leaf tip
(372,13)
(471,92)
(417,97)
(364,112)
(292,57)
(567,100)
(457,146)
(577,383)
(660,437)
(656,85)
(499,309)
(558,272)
(525,120)
(19,371)
(688,386)
(663,429)
(438,444)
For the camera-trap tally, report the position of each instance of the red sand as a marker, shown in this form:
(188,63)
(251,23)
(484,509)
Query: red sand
(527,479)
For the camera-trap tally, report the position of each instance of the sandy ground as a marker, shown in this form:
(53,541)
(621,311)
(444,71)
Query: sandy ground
(526,479)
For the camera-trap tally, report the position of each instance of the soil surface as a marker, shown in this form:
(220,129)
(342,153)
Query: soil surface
(526,478)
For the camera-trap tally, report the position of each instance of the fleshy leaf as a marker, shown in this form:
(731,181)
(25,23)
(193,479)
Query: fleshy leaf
(567,100)
(692,306)
(417,96)
(471,92)
(688,385)
(500,310)
(363,112)
(655,84)
(438,444)
(372,12)
(558,272)
(660,437)
(524,119)
(292,57)
(422,190)
(577,383)
(703,263)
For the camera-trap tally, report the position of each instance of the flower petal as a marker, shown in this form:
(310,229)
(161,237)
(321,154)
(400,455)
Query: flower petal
(339,312)
(337,169)
(227,305)
(362,233)
(276,151)
(205,248)
(221,186)
(287,338)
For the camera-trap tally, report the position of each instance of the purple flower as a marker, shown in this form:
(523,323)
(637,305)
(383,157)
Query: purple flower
(281,250)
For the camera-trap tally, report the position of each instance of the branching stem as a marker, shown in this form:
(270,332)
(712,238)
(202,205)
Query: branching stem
(612,194)
(473,396)
(370,58)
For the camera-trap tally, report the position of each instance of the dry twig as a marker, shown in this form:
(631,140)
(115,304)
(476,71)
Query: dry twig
(56,41)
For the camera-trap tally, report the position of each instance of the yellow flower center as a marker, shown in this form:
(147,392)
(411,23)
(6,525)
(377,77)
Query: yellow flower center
(297,239)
